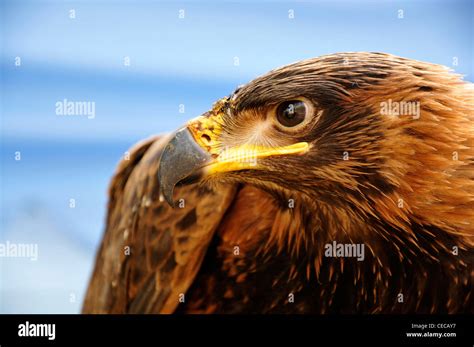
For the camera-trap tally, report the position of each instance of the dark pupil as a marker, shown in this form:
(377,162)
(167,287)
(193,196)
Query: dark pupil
(291,113)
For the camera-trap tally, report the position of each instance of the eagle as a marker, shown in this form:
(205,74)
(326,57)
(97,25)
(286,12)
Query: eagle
(261,204)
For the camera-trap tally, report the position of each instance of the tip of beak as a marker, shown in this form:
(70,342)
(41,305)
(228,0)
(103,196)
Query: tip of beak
(168,199)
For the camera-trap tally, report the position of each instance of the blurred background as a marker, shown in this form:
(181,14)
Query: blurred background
(147,67)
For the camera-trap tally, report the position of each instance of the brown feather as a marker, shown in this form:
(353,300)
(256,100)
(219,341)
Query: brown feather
(166,245)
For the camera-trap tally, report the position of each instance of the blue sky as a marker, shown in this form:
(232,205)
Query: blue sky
(190,61)
(173,61)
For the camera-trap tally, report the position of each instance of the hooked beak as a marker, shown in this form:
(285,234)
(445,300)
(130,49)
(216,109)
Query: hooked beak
(181,158)
(195,152)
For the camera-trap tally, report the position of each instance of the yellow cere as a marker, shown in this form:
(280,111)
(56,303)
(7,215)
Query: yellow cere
(206,131)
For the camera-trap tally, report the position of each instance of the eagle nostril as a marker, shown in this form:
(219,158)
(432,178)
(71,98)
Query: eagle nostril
(206,138)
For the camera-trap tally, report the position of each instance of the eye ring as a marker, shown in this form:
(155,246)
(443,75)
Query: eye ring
(293,114)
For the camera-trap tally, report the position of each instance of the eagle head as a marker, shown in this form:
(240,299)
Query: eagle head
(370,134)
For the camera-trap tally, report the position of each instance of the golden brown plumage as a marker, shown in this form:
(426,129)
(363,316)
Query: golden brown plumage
(251,236)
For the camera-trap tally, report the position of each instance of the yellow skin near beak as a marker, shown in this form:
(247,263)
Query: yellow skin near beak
(206,131)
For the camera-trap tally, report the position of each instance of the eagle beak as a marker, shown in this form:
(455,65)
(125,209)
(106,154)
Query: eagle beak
(195,152)
(181,158)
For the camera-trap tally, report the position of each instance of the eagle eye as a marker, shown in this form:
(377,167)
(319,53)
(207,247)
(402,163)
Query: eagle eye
(291,113)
